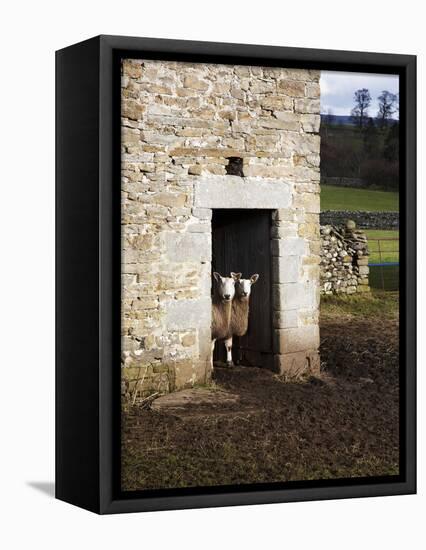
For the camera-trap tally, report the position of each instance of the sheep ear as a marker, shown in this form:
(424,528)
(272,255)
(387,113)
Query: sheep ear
(217,276)
(254,278)
(236,276)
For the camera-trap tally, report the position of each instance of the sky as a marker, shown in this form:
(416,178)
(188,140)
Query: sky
(338,87)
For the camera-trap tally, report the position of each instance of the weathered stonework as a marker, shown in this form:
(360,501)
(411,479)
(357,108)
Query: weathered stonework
(181,123)
(344,259)
(363,220)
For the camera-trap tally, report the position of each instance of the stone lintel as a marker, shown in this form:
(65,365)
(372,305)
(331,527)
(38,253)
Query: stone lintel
(239,192)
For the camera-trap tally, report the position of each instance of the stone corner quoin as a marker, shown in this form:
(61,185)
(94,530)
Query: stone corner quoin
(181,125)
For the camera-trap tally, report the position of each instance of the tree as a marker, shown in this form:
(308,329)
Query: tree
(387,106)
(362,99)
(371,139)
(391,148)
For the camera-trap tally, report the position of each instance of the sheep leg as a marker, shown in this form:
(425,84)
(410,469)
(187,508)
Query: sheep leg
(211,359)
(228,345)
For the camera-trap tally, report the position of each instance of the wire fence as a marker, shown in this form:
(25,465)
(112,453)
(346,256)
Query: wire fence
(384,263)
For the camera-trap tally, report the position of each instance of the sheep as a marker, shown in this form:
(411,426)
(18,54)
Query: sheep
(223,294)
(240,311)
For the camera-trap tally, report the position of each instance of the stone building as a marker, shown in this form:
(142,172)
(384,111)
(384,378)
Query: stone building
(197,140)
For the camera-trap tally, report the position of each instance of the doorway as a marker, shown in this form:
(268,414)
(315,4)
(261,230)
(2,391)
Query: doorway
(241,243)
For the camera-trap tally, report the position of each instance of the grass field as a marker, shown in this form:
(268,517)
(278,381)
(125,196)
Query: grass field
(347,198)
(389,249)
(384,277)
(375,304)
(383,251)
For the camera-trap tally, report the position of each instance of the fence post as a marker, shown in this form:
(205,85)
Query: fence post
(381,266)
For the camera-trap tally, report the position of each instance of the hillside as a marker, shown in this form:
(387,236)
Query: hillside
(370,154)
(342,120)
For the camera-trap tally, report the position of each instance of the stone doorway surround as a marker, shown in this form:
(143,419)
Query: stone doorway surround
(295,272)
(181,123)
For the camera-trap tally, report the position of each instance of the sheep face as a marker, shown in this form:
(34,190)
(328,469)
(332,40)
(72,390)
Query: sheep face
(243,286)
(225,287)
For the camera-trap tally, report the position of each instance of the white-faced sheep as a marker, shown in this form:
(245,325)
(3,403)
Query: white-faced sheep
(240,311)
(223,294)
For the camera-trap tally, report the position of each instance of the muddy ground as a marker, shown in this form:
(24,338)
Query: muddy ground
(342,424)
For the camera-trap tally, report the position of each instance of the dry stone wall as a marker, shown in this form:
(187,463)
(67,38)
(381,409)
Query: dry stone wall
(363,219)
(344,259)
(182,123)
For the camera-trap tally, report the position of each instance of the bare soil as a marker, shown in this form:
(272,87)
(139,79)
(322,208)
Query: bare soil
(260,429)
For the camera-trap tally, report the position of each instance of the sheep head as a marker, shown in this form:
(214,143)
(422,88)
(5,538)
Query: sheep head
(225,287)
(243,286)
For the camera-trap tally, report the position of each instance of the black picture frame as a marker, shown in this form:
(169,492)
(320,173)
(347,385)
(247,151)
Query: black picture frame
(88,273)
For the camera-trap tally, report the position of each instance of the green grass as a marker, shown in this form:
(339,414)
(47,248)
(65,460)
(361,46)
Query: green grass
(371,304)
(347,198)
(384,277)
(384,250)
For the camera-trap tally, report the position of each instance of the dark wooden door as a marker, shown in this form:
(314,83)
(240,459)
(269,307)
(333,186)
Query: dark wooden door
(241,243)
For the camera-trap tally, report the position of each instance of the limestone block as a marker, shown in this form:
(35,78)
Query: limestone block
(309,230)
(289,247)
(309,201)
(263,86)
(362,260)
(312,272)
(200,227)
(195,170)
(202,213)
(188,314)
(285,319)
(130,136)
(283,214)
(192,81)
(132,68)
(237,192)
(284,230)
(284,120)
(313,90)
(311,123)
(132,109)
(170,199)
(279,103)
(237,92)
(188,339)
(290,340)
(294,366)
(188,372)
(295,295)
(292,88)
(286,269)
(188,246)
(311,106)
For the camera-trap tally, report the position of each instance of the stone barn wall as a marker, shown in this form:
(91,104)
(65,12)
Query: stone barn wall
(181,125)
(344,259)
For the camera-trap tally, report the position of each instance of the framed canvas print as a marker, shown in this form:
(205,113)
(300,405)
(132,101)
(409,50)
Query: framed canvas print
(235,274)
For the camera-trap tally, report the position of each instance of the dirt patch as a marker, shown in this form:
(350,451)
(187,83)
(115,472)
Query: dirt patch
(343,424)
